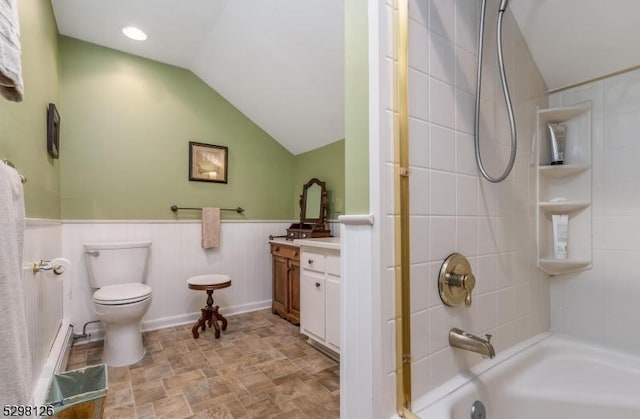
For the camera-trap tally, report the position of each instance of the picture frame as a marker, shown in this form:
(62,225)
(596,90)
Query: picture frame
(53,131)
(208,162)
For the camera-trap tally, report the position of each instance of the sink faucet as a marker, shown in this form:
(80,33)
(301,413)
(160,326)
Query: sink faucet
(463,340)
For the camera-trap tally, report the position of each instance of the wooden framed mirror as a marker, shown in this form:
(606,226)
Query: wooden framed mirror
(314,203)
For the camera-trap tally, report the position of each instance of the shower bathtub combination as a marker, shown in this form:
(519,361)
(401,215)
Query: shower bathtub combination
(548,376)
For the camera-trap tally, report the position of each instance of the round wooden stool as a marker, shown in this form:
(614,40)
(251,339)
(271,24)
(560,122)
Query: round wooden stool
(209,312)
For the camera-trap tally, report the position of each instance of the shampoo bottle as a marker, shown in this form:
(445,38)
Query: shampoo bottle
(560,235)
(557,135)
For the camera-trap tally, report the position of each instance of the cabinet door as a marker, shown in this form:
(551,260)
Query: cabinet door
(294,292)
(312,294)
(280,285)
(332,291)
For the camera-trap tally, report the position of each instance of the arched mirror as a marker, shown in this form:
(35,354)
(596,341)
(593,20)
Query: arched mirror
(313,212)
(314,203)
(312,207)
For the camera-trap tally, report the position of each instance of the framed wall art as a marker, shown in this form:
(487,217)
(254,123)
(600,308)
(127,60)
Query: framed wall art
(53,131)
(208,162)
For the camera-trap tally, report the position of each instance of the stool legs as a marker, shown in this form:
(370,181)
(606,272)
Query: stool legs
(220,319)
(211,316)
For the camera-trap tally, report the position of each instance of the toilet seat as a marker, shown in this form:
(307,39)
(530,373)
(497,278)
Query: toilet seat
(122,294)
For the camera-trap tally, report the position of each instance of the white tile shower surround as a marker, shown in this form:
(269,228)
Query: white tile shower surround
(451,209)
(598,304)
(176,255)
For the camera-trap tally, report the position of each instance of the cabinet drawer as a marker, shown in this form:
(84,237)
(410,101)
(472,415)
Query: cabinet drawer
(313,261)
(289,252)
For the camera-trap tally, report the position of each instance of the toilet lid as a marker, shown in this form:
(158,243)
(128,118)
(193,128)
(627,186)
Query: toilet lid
(122,294)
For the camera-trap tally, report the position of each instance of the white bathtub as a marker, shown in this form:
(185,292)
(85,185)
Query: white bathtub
(547,377)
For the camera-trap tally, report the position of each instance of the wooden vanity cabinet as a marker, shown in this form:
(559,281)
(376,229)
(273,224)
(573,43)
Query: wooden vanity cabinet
(286,281)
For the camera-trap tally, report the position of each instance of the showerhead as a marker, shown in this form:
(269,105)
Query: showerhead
(503,5)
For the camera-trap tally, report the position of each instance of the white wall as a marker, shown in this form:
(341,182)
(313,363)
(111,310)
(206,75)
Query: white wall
(367,367)
(600,304)
(175,256)
(452,210)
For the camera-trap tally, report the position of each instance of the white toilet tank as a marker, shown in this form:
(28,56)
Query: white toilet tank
(112,263)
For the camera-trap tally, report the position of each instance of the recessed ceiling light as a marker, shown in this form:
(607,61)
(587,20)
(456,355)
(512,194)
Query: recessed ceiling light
(134,33)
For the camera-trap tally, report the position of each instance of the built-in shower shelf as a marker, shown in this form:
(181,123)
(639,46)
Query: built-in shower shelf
(564,189)
(562,114)
(562,207)
(563,170)
(562,266)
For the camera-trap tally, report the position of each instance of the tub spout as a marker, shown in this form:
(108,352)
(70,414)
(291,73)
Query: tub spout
(463,340)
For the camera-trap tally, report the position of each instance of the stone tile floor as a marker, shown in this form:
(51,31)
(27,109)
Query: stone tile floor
(261,367)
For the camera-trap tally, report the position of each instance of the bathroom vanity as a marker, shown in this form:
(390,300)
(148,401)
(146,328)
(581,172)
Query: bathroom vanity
(320,292)
(285,256)
(285,253)
(306,272)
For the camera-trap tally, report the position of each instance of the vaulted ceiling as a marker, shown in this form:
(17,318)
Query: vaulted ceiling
(280,62)
(573,41)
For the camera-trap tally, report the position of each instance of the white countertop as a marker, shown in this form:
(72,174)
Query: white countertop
(282,240)
(324,242)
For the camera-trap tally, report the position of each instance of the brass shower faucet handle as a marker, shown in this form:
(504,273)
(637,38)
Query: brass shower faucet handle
(456,281)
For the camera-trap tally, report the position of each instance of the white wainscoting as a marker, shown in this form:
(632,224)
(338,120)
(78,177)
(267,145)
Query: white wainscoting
(42,240)
(363,388)
(176,255)
(43,309)
(43,298)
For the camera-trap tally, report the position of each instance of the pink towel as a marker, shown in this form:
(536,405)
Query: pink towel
(210,228)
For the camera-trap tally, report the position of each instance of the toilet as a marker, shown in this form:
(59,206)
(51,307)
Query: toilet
(119,271)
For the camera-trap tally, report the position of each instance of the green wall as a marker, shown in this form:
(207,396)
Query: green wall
(126,125)
(327,164)
(23,126)
(356,107)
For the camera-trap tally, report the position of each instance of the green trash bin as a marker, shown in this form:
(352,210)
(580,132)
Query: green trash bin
(79,394)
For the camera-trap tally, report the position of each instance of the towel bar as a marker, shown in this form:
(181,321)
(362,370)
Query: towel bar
(8,163)
(175,208)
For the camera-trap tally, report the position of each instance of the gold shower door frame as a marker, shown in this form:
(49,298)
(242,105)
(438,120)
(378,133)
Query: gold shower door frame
(401,207)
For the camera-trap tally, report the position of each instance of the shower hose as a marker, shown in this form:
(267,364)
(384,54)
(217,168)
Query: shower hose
(505,90)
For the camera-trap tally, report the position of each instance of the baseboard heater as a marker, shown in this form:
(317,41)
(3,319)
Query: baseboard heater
(56,361)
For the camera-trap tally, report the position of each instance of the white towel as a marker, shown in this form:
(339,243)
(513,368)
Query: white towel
(11,85)
(15,364)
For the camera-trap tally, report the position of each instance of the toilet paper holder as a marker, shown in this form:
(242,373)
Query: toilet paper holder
(46,265)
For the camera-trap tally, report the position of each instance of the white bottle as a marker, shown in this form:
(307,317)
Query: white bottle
(560,235)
